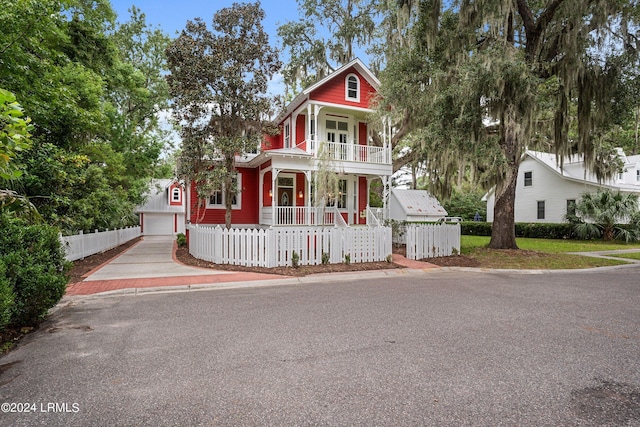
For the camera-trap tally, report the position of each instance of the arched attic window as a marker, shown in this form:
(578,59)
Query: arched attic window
(175,194)
(352,88)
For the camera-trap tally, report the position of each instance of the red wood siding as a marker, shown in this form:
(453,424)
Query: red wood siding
(362,133)
(301,134)
(362,198)
(266,186)
(249,212)
(300,186)
(334,91)
(271,141)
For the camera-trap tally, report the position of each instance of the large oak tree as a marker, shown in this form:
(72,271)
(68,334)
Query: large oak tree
(510,74)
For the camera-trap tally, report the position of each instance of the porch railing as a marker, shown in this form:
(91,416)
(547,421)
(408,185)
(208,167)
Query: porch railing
(303,215)
(351,152)
(375,216)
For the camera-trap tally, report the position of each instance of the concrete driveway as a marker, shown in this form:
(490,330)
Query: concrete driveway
(149,265)
(435,349)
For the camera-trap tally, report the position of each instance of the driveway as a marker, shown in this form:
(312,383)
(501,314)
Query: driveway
(149,265)
(439,348)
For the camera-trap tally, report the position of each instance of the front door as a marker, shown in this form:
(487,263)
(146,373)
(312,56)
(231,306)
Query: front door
(285,191)
(285,196)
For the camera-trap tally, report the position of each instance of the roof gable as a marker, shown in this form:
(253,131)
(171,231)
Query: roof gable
(369,85)
(357,66)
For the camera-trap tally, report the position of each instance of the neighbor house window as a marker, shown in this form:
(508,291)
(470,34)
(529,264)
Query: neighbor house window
(528,179)
(571,207)
(352,87)
(541,209)
(638,175)
(217,197)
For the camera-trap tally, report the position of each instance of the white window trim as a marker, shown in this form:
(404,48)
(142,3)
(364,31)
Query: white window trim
(544,211)
(287,125)
(176,191)
(237,205)
(346,88)
(524,179)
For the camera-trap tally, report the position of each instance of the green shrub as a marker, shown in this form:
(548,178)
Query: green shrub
(347,259)
(6,297)
(468,228)
(325,258)
(181,239)
(545,230)
(524,229)
(295,259)
(35,268)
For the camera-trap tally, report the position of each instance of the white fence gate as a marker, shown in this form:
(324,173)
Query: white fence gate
(432,240)
(275,246)
(82,245)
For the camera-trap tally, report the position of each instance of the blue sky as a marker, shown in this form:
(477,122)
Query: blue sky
(172,16)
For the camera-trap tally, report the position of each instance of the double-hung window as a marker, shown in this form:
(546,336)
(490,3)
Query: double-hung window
(217,196)
(541,209)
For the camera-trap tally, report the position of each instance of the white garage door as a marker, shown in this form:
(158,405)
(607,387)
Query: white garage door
(158,224)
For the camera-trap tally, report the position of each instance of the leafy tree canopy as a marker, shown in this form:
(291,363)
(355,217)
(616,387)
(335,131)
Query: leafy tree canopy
(217,80)
(94,90)
(482,81)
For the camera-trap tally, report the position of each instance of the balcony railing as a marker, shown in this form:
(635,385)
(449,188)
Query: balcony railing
(350,151)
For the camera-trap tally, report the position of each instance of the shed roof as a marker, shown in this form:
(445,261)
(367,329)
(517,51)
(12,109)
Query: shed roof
(418,203)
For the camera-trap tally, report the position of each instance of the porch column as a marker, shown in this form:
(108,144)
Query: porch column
(260,195)
(307,176)
(316,114)
(386,134)
(385,196)
(274,179)
(310,145)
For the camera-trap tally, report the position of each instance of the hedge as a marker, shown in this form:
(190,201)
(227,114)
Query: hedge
(34,265)
(524,229)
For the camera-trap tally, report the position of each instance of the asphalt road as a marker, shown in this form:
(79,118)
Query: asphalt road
(441,349)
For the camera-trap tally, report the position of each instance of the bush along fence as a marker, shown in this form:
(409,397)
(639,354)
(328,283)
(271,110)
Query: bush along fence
(432,240)
(82,245)
(275,247)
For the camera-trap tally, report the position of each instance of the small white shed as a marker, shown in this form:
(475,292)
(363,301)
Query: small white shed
(414,206)
(164,210)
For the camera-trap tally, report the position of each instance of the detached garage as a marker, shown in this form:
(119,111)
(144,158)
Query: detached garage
(163,214)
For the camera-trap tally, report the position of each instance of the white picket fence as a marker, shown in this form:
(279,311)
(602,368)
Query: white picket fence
(275,246)
(432,240)
(82,245)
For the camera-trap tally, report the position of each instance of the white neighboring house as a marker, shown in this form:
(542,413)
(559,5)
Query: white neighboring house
(163,214)
(545,191)
(414,206)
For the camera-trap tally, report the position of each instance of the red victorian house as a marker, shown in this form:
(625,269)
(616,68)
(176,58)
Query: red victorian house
(276,185)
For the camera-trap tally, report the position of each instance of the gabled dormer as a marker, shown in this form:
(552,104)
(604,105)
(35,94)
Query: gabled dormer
(175,194)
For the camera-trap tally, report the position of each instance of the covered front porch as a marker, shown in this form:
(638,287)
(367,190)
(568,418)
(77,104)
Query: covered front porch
(289,198)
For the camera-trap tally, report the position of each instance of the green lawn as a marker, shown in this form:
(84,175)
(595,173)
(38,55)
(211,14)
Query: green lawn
(469,243)
(633,255)
(541,253)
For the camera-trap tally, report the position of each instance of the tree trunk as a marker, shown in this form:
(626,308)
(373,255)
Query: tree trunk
(503,232)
